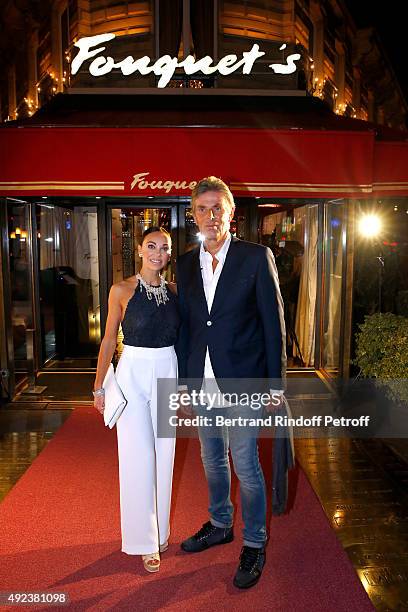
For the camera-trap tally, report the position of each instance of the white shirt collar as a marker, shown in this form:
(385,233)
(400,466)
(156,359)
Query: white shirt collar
(221,253)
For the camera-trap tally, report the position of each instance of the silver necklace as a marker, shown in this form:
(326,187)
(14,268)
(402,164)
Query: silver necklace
(160,292)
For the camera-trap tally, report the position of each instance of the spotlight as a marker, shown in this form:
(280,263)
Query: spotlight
(369,225)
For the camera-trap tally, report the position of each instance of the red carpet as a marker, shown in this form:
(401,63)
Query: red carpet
(60,527)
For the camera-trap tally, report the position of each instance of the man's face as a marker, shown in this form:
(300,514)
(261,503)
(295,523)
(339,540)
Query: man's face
(213,214)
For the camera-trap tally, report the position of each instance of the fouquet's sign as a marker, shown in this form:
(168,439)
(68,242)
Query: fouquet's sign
(140,181)
(165,67)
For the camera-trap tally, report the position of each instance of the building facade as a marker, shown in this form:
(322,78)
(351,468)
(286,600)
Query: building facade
(342,65)
(88,162)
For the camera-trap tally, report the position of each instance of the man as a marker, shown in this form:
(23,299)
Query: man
(232,327)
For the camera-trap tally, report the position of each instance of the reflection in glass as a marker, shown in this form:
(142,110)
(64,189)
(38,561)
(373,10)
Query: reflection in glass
(192,238)
(291,232)
(128,225)
(21,307)
(305,325)
(335,238)
(69,283)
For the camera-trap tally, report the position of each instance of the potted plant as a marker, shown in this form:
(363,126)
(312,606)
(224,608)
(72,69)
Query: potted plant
(381,387)
(382,353)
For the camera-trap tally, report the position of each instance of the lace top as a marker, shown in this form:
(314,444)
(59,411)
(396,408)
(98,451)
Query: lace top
(149,325)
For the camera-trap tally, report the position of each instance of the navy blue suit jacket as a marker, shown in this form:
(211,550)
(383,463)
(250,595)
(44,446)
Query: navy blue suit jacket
(245,331)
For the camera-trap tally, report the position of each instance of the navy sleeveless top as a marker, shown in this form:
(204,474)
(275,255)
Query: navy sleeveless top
(146,324)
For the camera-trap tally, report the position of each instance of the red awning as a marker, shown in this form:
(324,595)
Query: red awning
(390,169)
(165,161)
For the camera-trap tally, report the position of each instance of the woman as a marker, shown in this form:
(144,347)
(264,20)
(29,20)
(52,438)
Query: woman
(147,308)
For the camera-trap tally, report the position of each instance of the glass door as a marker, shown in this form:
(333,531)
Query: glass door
(334,277)
(291,231)
(68,279)
(128,222)
(20,283)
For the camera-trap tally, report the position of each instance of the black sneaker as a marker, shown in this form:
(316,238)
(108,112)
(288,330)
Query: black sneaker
(251,562)
(208,536)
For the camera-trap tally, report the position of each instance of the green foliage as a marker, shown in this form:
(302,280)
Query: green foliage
(382,352)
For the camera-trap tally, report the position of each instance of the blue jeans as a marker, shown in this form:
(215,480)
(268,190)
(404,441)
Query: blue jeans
(215,442)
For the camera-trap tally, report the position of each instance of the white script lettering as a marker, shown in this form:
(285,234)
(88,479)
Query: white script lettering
(139,181)
(166,65)
(287,68)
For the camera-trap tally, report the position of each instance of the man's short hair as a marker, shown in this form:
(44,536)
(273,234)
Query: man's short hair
(211,183)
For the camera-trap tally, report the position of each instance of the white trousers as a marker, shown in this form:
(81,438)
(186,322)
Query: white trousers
(145,461)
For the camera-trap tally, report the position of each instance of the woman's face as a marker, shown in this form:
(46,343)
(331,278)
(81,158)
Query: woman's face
(155,251)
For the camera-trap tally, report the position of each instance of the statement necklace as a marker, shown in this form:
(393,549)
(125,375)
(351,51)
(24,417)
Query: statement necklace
(160,292)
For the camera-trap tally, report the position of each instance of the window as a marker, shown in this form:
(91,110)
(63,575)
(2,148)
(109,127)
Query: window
(185,28)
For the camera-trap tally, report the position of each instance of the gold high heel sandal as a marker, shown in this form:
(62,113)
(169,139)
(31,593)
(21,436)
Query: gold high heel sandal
(151,562)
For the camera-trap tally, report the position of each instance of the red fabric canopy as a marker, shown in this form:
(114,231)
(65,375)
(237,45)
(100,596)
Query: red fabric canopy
(390,168)
(165,161)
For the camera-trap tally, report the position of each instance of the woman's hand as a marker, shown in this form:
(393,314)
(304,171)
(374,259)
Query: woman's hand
(99,403)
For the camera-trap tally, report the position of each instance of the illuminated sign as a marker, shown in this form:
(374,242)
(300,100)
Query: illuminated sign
(140,182)
(166,65)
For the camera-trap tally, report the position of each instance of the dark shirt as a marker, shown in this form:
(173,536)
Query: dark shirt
(148,325)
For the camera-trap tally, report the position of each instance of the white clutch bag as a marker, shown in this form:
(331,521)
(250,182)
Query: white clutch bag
(115,401)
